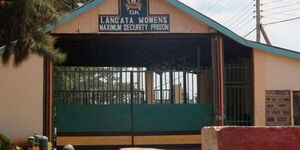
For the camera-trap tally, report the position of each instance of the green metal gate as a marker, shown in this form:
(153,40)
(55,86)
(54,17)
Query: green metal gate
(113,101)
(238,94)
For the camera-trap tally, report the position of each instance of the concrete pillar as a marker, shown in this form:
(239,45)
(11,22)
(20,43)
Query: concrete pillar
(177,94)
(259,88)
(149,87)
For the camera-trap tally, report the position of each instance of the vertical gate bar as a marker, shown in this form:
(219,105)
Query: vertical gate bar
(239,95)
(95,82)
(238,105)
(77,85)
(93,95)
(88,86)
(186,78)
(138,99)
(98,86)
(126,87)
(171,88)
(74,85)
(120,84)
(198,72)
(85,82)
(225,96)
(165,89)
(64,86)
(109,86)
(69,85)
(214,80)
(178,83)
(184,88)
(233,104)
(143,89)
(102,89)
(161,87)
(105,87)
(112,85)
(193,92)
(132,119)
(156,92)
(69,101)
(242,106)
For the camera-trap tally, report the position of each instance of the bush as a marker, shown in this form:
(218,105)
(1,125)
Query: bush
(5,143)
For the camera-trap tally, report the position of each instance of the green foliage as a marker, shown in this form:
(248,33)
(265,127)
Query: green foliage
(49,146)
(21,20)
(68,5)
(5,143)
(17,148)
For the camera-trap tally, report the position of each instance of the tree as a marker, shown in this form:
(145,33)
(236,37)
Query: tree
(95,85)
(68,5)
(21,20)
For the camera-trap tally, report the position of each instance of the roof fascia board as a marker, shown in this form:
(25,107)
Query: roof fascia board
(272,49)
(231,34)
(72,15)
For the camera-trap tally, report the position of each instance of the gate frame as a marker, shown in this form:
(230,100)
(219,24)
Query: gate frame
(218,64)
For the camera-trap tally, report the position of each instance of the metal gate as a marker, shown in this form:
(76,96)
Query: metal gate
(238,94)
(99,101)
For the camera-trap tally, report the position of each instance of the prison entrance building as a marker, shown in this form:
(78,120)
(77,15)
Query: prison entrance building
(147,73)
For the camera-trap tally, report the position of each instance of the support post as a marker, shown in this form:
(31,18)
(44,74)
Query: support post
(184,88)
(177,94)
(264,33)
(221,79)
(161,87)
(49,130)
(199,76)
(217,67)
(258,21)
(172,97)
(132,104)
(149,87)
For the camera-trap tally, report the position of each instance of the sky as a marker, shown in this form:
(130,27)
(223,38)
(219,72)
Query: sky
(239,16)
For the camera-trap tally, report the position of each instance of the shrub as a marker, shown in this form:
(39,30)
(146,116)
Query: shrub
(5,143)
